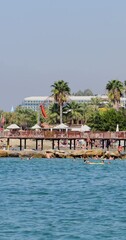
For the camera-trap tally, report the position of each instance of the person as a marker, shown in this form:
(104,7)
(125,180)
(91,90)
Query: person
(86,161)
(108,143)
(120,149)
(48,155)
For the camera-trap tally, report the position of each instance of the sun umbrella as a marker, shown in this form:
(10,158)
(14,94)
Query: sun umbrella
(61,126)
(13,126)
(36,126)
(85,128)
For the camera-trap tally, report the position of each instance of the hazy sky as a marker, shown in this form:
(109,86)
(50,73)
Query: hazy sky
(82,42)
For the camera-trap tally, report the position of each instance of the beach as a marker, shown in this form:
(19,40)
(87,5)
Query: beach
(15,144)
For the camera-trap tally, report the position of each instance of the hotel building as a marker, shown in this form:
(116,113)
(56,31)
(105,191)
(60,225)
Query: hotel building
(36,101)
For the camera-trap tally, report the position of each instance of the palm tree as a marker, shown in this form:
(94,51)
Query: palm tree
(95,102)
(115,91)
(53,113)
(73,112)
(86,111)
(60,92)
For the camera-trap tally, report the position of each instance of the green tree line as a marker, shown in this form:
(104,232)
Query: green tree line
(98,115)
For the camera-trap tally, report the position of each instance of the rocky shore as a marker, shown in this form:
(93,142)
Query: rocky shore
(49,153)
(92,153)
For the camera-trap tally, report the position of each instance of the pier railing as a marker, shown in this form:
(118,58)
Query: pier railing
(63,135)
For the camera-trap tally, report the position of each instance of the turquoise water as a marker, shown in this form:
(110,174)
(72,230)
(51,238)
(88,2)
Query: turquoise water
(62,199)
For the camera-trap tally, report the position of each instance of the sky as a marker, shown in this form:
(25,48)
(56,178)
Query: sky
(82,42)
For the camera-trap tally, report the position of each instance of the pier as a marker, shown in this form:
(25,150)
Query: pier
(105,138)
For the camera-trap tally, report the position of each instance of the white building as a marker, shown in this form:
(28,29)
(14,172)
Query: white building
(35,101)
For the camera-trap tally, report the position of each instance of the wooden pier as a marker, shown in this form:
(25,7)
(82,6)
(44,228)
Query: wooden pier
(105,138)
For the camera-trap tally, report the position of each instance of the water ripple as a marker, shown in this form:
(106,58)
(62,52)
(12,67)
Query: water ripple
(62,199)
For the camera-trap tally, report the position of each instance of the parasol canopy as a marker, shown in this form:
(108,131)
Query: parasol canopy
(13,126)
(61,126)
(85,128)
(36,126)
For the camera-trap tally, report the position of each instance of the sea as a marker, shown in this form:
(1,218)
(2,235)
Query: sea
(62,199)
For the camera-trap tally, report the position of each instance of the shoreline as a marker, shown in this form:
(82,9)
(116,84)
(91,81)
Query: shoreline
(96,154)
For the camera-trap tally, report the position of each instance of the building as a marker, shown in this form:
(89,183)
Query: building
(36,101)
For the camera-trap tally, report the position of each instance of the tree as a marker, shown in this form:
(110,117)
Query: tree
(24,117)
(60,91)
(95,121)
(79,93)
(88,92)
(95,102)
(115,90)
(73,112)
(53,113)
(84,107)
